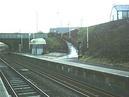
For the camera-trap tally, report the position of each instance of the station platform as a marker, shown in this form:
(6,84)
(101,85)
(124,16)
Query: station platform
(108,79)
(3,91)
(66,61)
(52,56)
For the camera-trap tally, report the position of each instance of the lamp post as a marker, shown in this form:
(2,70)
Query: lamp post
(69,34)
(87,40)
(37,21)
(21,46)
(21,41)
(29,34)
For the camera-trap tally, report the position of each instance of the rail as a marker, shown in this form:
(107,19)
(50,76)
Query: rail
(19,85)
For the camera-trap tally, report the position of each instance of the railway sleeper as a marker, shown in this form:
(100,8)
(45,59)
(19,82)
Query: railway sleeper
(25,90)
(15,84)
(22,88)
(28,94)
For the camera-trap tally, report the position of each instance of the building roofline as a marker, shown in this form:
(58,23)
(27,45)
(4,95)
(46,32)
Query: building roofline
(122,9)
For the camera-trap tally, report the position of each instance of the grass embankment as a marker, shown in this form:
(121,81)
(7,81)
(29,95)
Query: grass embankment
(56,44)
(108,43)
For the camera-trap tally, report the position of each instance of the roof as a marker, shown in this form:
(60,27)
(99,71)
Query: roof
(121,7)
(38,41)
(3,44)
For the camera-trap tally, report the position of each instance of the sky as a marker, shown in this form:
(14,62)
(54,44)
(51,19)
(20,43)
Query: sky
(41,15)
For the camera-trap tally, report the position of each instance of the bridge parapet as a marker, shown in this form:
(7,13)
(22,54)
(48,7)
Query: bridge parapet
(23,35)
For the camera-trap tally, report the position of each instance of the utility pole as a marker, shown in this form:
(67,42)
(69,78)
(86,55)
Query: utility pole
(21,42)
(37,21)
(29,35)
(87,31)
(81,22)
(69,33)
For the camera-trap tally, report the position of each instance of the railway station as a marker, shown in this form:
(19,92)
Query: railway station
(29,71)
(20,71)
(105,78)
(68,61)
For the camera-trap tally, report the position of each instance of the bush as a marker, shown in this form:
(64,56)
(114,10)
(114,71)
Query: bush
(108,40)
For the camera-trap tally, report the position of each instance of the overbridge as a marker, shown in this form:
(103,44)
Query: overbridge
(19,41)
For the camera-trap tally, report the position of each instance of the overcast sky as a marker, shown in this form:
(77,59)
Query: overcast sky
(24,15)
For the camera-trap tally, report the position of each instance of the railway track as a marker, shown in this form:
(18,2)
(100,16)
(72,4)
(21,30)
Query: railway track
(76,86)
(18,85)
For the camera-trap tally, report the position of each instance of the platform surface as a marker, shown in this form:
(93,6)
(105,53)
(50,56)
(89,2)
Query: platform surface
(81,65)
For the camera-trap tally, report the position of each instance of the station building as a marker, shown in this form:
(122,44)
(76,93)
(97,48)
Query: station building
(119,12)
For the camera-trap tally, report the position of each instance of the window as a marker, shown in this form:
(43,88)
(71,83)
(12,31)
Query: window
(125,14)
(128,14)
(119,14)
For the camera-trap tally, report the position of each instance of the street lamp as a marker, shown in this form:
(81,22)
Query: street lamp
(21,43)
(87,32)
(37,21)
(29,34)
(69,33)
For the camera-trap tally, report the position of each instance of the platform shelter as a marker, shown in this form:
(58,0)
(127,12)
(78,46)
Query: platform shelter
(37,46)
